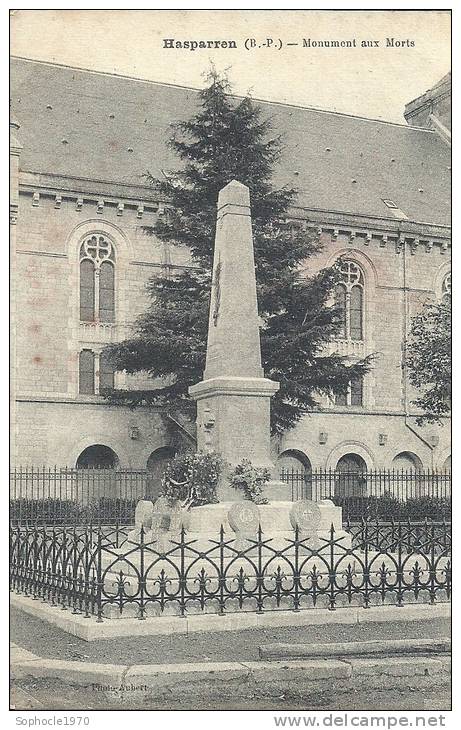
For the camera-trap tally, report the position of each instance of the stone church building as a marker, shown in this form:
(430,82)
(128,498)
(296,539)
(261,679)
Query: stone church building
(81,142)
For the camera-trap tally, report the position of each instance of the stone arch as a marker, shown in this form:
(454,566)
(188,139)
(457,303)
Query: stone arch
(407,460)
(444,460)
(439,277)
(360,258)
(155,465)
(97,456)
(295,469)
(347,447)
(92,440)
(122,243)
(447,463)
(350,481)
(294,459)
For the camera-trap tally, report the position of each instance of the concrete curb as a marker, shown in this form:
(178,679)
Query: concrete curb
(285,652)
(234,679)
(89,630)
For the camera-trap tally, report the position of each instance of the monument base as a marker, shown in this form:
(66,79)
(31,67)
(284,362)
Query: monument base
(241,520)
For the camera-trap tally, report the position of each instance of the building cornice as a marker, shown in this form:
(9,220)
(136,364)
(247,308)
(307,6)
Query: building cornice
(143,199)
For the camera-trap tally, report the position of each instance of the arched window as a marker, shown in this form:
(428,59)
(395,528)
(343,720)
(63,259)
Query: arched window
(407,461)
(97,456)
(351,480)
(446,289)
(295,469)
(97,280)
(349,300)
(156,465)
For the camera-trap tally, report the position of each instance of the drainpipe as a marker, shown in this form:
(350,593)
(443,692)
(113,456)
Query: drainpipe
(406,317)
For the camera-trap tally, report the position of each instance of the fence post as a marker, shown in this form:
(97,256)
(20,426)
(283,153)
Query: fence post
(259,575)
(221,575)
(296,576)
(432,567)
(99,577)
(366,569)
(331,570)
(182,572)
(142,575)
(399,566)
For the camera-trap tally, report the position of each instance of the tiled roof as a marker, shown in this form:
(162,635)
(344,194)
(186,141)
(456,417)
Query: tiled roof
(99,126)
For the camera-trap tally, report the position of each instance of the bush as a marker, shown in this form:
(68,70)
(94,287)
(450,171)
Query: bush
(192,478)
(67,512)
(250,479)
(387,507)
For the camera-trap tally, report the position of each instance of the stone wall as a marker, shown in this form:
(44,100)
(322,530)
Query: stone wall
(53,421)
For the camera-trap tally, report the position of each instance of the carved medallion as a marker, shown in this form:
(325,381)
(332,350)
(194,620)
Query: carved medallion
(306,515)
(244,518)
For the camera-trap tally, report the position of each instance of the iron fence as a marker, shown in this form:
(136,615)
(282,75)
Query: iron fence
(63,496)
(88,572)
(384,493)
(55,496)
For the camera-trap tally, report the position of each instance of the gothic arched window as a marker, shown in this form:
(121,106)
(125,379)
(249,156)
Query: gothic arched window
(349,300)
(97,280)
(446,289)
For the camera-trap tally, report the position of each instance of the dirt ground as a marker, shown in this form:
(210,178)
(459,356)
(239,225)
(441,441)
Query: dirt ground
(45,640)
(45,694)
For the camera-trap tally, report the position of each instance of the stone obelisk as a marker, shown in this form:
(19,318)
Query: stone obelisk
(233,399)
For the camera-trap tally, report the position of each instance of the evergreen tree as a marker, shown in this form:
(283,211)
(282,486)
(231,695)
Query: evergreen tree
(229,139)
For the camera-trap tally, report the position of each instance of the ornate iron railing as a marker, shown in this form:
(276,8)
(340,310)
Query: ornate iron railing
(96,572)
(385,493)
(107,496)
(63,496)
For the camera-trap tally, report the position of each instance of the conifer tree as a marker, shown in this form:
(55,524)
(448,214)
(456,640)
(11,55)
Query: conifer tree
(226,139)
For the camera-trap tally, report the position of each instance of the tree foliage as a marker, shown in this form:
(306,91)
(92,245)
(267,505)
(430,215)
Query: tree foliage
(429,361)
(228,139)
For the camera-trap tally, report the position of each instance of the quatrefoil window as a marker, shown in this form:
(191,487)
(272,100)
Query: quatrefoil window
(98,248)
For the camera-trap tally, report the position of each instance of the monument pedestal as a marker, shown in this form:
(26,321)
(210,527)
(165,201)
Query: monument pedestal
(276,520)
(240,521)
(239,410)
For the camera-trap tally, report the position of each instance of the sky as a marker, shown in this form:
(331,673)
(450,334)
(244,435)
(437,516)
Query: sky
(374,81)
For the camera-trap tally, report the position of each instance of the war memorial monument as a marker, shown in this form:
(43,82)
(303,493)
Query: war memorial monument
(233,408)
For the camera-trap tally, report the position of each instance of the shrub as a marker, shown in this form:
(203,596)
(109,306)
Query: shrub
(192,478)
(250,479)
(67,512)
(387,507)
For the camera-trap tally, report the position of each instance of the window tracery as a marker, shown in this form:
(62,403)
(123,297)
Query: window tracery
(349,297)
(97,279)
(446,289)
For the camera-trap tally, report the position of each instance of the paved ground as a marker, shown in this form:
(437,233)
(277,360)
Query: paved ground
(45,640)
(54,695)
